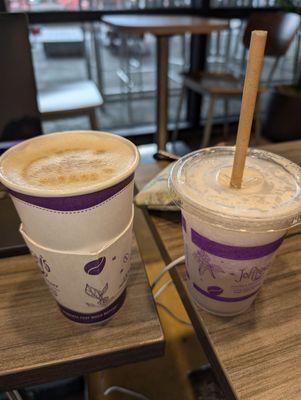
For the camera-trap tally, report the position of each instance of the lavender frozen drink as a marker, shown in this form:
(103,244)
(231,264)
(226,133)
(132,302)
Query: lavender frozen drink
(231,235)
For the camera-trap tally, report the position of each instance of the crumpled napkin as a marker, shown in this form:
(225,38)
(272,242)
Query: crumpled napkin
(156,195)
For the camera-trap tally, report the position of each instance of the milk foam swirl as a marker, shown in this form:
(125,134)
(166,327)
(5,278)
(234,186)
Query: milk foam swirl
(67,161)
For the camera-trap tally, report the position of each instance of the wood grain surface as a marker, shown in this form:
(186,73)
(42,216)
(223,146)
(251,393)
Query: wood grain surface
(164,25)
(38,344)
(257,355)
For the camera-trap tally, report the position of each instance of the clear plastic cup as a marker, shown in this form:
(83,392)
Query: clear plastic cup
(231,235)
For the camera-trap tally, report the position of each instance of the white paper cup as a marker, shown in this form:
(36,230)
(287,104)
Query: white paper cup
(88,287)
(85,220)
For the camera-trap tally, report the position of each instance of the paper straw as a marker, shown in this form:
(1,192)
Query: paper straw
(254,66)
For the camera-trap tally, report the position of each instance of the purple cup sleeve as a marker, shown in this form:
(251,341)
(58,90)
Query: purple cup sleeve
(73,203)
(234,252)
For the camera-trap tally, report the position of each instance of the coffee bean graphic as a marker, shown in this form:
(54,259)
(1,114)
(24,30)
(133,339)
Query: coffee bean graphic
(96,266)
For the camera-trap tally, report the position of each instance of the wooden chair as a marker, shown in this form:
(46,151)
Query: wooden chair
(75,98)
(72,98)
(19,113)
(282,28)
(18,83)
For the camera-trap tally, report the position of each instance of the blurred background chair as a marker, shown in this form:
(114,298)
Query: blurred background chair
(282,28)
(70,98)
(64,100)
(22,103)
(19,113)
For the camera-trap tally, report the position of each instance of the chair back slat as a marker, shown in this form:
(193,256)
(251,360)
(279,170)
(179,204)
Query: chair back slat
(282,28)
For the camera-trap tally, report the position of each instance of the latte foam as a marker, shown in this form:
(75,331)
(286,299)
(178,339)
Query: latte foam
(68,161)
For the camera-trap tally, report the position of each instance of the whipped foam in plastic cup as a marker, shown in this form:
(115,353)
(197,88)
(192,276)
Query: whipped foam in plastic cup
(72,190)
(231,235)
(89,287)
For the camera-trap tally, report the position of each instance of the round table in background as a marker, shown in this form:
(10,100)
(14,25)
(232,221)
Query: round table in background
(162,27)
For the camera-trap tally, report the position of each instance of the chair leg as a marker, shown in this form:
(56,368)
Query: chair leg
(208,126)
(128,73)
(93,120)
(228,46)
(175,133)
(13,395)
(226,117)
(94,382)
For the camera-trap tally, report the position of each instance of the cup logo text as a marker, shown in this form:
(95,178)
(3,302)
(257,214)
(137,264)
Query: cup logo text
(42,264)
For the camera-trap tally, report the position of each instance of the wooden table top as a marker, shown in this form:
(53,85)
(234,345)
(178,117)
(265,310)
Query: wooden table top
(256,355)
(38,344)
(164,25)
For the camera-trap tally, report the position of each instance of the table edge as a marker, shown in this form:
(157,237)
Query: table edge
(163,31)
(50,372)
(23,377)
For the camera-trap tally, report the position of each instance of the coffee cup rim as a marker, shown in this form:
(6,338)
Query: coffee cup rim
(79,191)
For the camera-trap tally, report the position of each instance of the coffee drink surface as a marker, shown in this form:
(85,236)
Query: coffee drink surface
(66,162)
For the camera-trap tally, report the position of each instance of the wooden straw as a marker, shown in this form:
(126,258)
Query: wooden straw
(254,66)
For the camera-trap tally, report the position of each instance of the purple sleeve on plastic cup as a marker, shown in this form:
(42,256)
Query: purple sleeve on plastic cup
(234,252)
(96,266)
(213,295)
(215,290)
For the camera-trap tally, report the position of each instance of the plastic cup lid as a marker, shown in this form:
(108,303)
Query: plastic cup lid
(270,197)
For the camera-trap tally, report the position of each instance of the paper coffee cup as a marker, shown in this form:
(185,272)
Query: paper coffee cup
(89,287)
(84,220)
(77,222)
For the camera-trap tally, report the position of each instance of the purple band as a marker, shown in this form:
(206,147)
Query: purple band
(224,299)
(233,252)
(73,203)
(99,316)
(183,223)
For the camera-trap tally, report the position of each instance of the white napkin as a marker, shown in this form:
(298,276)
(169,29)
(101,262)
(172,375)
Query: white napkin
(156,195)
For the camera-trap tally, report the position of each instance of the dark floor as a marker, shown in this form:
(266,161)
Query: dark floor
(203,381)
(205,385)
